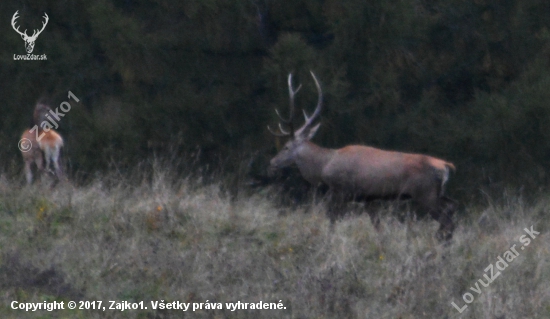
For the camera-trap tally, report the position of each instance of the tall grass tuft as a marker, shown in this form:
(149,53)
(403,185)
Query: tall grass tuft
(152,237)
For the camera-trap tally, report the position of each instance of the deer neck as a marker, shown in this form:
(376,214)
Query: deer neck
(311,159)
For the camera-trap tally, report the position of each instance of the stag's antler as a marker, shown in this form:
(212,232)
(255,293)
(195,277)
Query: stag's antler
(35,32)
(23,34)
(309,119)
(291,92)
(43,26)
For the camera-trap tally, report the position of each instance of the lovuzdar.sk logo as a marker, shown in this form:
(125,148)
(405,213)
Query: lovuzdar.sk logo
(29,40)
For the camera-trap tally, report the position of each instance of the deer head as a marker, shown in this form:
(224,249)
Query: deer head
(39,114)
(287,154)
(29,41)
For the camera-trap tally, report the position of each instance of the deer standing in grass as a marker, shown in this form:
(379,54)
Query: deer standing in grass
(363,173)
(40,143)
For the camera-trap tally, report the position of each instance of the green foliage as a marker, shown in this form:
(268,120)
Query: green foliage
(463,80)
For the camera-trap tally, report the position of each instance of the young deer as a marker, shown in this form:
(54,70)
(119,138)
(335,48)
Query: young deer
(40,143)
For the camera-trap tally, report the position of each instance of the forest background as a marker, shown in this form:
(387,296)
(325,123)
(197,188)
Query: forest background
(198,80)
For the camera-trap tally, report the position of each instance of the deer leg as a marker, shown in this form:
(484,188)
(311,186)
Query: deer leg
(334,210)
(447,207)
(441,209)
(444,215)
(374,218)
(48,156)
(28,171)
(57,168)
(58,171)
(335,205)
(435,213)
(39,161)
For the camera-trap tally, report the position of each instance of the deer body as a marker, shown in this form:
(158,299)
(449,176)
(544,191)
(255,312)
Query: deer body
(371,172)
(43,145)
(363,173)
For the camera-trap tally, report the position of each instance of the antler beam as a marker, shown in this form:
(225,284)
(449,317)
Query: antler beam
(291,93)
(309,119)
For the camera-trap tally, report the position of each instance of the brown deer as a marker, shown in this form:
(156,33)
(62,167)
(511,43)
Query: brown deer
(364,173)
(40,143)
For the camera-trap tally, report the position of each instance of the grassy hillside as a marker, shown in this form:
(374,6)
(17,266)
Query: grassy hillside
(167,239)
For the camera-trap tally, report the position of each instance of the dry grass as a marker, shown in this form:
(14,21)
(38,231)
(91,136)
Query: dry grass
(156,239)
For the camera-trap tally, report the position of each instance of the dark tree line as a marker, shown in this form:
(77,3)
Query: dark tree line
(463,80)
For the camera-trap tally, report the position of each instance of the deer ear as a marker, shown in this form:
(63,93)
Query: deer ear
(312,131)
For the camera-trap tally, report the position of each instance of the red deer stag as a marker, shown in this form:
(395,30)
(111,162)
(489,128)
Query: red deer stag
(39,143)
(364,173)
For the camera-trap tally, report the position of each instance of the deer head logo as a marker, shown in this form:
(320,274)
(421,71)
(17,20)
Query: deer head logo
(29,41)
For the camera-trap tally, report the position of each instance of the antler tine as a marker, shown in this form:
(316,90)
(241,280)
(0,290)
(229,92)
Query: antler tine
(281,117)
(281,133)
(291,94)
(15,16)
(43,24)
(282,130)
(309,119)
(319,100)
(305,115)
